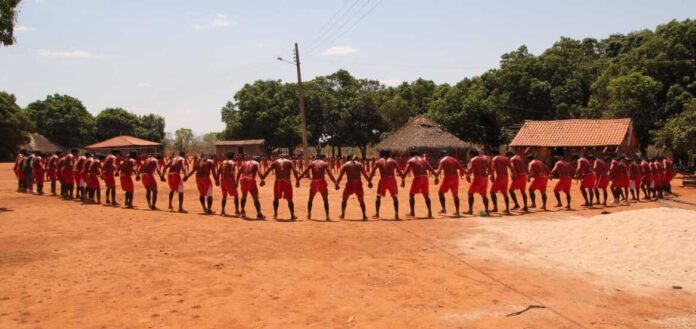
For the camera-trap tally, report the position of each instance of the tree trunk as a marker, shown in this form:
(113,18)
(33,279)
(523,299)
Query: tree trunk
(363,151)
(339,151)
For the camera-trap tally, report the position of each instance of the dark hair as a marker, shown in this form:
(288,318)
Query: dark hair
(495,151)
(74,151)
(230,155)
(320,156)
(443,152)
(182,153)
(256,158)
(509,153)
(530,157)
(115,152)
(414,151)
(87,154)
(591,157)
(575,156)
(133,154)
(474,152)
(349,157)
(383,153)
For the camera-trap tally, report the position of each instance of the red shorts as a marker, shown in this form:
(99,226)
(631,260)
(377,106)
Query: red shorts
(77,176)
(563,185)
(248,185)
(127,183)
(282,189)
(500,185)
(589,181)
(318,186)
(620,182)
(635,183)
(93,181)
(449,183)
(205,186)
(176,184)
(353,187)
(68,177)
(667,179)
(52,175)
(646,180)
(479,185)
(228,187)
(602,182)
(539,183)
(19,173)
(39,176)
(148,181)
(420,185)
(387,184)
(109,180)
(519,183)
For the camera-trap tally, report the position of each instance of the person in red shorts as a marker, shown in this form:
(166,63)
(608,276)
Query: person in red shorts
(318,169)
(39,171)
(519,182)
(59,174)
(618,173)
(588,179)
(453,171)
(69,173)
(19,173)
(540,172)
(634,176)
(645,178)
(228,183)
(500,177)
(480,167)
(282,187)
(108,175)
(669,175)
(83,176)
(79,177)
(125,172)
(176,169)
(659,176)
(246,176)
(352,169)
(565,173)
(146,174)
(203,168)
(420,169)
(387,167)
(52,170)
(93,172)
(602,173)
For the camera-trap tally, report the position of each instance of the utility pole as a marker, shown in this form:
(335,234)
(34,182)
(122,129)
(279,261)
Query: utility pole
(300,96)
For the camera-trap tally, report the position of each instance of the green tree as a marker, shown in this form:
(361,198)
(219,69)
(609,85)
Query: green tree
(679,133)
(8,18)
(14,126)
(63,119)
(113,122)
(183,139)
(151,127)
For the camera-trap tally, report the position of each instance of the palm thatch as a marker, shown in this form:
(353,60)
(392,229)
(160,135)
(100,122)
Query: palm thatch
(424,135)
(38,142)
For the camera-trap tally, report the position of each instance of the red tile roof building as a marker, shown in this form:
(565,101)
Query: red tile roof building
(126,144)
(598,136)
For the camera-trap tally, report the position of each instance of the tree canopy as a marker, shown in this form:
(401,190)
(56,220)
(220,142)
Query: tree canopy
(8,18)
(14,126)
(64,120)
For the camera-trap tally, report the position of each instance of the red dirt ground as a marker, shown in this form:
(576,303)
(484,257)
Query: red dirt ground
(65,265)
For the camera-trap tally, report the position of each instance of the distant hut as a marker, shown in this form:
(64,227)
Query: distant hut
(576,136)
(428,137)
(38,142)
(246,146)
(126,144)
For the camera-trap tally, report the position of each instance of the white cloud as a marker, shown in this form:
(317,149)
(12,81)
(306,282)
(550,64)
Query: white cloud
(144,84)
(339,51)
(67,53)
(23,28)
(391,82)
(219,21)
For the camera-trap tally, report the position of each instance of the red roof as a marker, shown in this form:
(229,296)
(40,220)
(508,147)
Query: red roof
(573,133)
(122,141)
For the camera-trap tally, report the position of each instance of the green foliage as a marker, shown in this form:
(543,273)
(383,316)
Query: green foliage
(14,126)
(63,119)
(8,18)
(151,127)
(113,122)
(183,139)
(679,133)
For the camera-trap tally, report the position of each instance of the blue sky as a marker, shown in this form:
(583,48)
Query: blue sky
(185,59)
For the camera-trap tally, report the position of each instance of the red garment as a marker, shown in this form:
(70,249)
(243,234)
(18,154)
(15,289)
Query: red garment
(282,189)
(589,180)
(248,185)
(205,186)
(539,183)
(449,183)
(387,184)
(127,184)
(176,184)
(520,182)
(479,185)
(318,186)
(563,185)
(149,181)
(228,187)
(420,185)
(353,187)
(500,185)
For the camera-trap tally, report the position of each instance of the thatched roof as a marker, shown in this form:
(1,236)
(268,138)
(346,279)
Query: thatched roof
(422,134)
(38,142)
(122,142)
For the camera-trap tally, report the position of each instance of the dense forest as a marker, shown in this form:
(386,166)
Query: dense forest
(647,75)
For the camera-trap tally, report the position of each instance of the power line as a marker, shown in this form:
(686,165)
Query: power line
(327,32)
(324,27)
(356,23)
(339,29)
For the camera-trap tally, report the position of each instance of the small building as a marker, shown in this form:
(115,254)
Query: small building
(38,142)
(426,136)
(245,146)
(576,136)
(126,144)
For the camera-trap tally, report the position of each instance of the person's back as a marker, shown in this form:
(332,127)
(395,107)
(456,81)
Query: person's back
(518,165)
(501,164)
(450,166)
(353,169)
(537,168)
(418,166)
(479,166)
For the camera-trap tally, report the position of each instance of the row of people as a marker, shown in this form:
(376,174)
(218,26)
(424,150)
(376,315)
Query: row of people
(79,177)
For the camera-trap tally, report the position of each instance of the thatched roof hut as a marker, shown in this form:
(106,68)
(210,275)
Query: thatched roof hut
(38,142)
(427,136)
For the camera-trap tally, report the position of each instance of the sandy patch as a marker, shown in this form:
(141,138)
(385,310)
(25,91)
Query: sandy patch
(647,248)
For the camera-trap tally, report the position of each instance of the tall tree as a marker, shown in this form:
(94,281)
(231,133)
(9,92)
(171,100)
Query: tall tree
(14,126)
(113,122)
(151,127)
(8,18)
(183,139)
(63,119)
(679,133)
